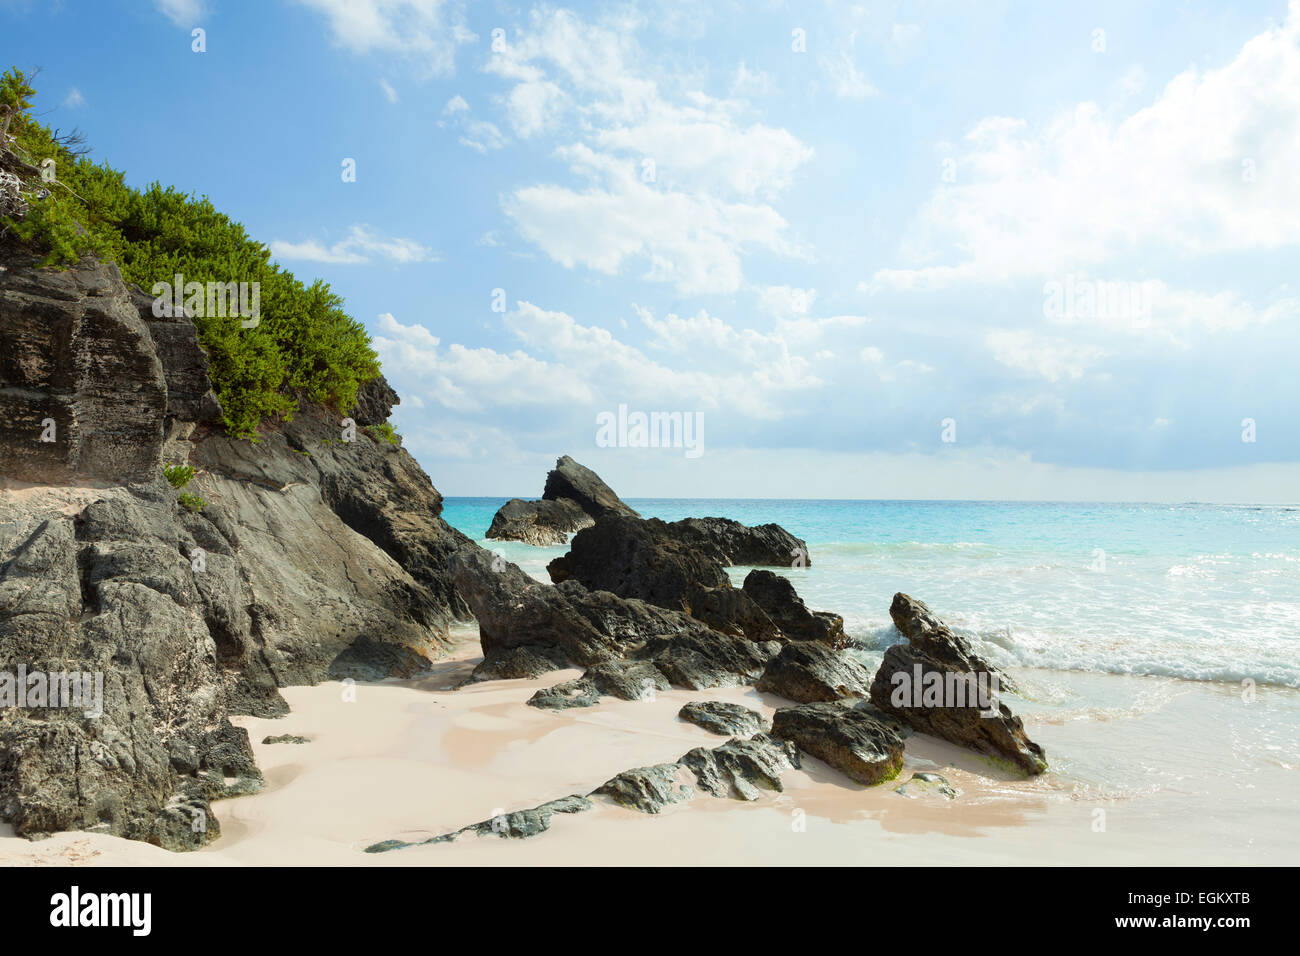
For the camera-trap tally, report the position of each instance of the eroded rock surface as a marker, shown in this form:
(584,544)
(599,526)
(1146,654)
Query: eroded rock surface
(720,717)
(854,738)
(808,671)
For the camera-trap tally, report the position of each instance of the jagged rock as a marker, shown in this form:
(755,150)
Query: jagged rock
(855,739)
(375,402)
(935,683)
(82,390)
(719,717)
(783,606)
(539,523)
(312,558)
(732,611)
(518,825)
(807,671)
(648,789)
(566,695)
(574,496)
(739,769)
(733,543)
(700,658)
(286,739)
(922,784)
(582,485)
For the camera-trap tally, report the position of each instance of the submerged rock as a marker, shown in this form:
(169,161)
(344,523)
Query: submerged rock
(922,784)
(855,739)
(938,685)
(719,717)
(808,671)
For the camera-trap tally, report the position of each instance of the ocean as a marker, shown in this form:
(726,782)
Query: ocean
(1193,591)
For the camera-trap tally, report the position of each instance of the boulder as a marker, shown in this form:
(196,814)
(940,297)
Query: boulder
(572,481)
(733,543)
(854,738)
(719,717)
(939,686)
(808,671)
(776,596)
(539,523)
(741,769)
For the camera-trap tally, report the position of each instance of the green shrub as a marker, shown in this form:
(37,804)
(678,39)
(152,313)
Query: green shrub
(384,432)
(178,475)
(305,348)
(192,502)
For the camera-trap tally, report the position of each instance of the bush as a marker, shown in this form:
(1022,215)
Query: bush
(192,502)
(305,346)
(384,432)
(178,475)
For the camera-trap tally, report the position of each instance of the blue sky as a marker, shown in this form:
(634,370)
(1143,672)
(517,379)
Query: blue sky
(1072,230)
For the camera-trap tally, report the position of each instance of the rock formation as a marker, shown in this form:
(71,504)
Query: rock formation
(935,683)
(308,557)
(573,497)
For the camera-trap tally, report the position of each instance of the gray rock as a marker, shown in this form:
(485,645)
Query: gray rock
(648,789)
(719,717)
(856,739)
(286,739)
(783,606)
(539,523)
(740,769)
(808,671)
(583,486)
(924,784)
(518,825)
(733,543)
(935,657)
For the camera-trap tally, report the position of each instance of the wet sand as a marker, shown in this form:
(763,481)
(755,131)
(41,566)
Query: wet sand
(413,759)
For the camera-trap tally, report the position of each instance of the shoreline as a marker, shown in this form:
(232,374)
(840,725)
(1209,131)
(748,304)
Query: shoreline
(413,759)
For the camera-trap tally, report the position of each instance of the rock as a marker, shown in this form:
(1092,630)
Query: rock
(539,523)
(519,825)
(807,671)
(286,739)
(375,402)
(564,696)
(312,558)
(700,658)
(733,543)
(574,496)
(82,391)
(923,784)
(582,485)
(935,683)
(855,739)
(719,717)
(783,606)
(739,769)
(648,789)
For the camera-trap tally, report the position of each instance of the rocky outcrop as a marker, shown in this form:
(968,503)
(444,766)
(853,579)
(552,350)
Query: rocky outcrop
(539,523)
(636,680)
(719,717)
(856,739)
(807,671)
(733,543)
(577,483)
(783,606)
(573,498)
(82,390)
(307,556)
(519,825)
(938,685)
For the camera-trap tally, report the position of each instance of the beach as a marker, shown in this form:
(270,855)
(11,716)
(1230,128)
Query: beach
(414,759)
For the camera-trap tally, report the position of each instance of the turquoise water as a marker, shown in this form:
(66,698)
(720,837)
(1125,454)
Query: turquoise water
(1200,592)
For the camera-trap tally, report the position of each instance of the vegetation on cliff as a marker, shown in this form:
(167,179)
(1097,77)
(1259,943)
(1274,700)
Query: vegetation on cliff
(304,347)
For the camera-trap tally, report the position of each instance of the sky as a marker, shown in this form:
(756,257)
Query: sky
(870,250)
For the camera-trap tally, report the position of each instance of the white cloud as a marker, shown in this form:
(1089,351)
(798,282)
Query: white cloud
(456,104)
(783,301)
(425,31)
(1208,167)
(1052,359)
(847,81)
(74,99)
(183,13)
(670,178)
(361,246)
(389,93)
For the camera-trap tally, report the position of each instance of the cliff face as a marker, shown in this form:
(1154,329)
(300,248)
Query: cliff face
(315,557)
